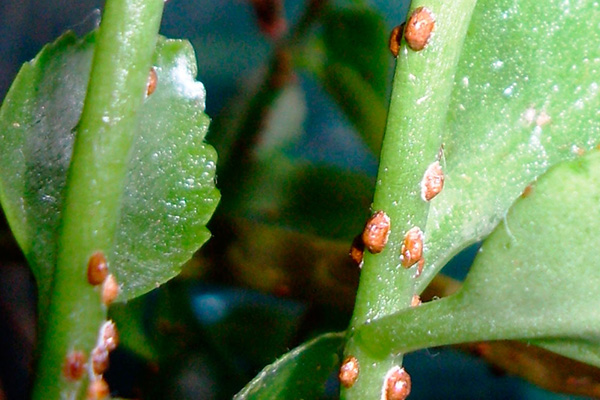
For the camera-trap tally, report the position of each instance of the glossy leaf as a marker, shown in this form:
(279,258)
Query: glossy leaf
(536,277)
(300,374)
(526,96)
(170,192)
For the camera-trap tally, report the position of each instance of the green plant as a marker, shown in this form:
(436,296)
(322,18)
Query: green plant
(503,96)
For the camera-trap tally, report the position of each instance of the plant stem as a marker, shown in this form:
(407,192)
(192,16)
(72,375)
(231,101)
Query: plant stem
(122,59)
(421,92)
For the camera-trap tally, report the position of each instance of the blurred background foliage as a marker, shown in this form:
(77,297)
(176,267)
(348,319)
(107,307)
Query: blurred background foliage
(298,95)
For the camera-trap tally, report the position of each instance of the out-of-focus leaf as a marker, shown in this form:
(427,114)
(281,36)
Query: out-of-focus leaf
(285,262)
(356,36)
(357,68)
(249,326)
(327,201)
(359,102)
(536,277)
(300,374)
(540,367)
(130,318)
(169,194)
(526,96)
(316,199)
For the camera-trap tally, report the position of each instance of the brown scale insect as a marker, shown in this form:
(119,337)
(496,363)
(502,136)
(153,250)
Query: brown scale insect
(110,290)
(152,82)
(527,191)
(109,335)
(74,366)
(99,360)
(412,248)
(357,250)
(97,269)
(98,390)
(349,371)
(376,232)
(395,40)
(397,384)
(415,301)
(432,182)
(418,28)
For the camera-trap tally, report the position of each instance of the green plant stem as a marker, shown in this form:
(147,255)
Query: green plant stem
(420,96)
(122,59)
(453,320)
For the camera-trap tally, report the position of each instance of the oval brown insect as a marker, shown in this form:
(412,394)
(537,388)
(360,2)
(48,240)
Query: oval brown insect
(110,290)
(415,301)
(395,40)
(432,182)
(109,336)
(349,371)
(98,390)
(74,365)
(412,248)
(97,269)
(418,28)
(397,384)
(376,232)
(527,191)
(152,82)
(99,360)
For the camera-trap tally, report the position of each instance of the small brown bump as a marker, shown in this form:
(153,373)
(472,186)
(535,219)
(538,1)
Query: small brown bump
(418,28)
(527,191)
(415,301)
(74,366)
(98,390)
(396,39)
(432,182)
(376,232)
(412,248)
(109,335)
(349,371)
(97,269)
(110,290)
(420,265)
(357,250)
(100,360)
(397,384)
(482,349)
(152,82)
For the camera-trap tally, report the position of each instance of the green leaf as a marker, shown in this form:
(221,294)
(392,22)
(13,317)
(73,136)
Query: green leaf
(170,192)
(525,97)
(536,277)
(300,374)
